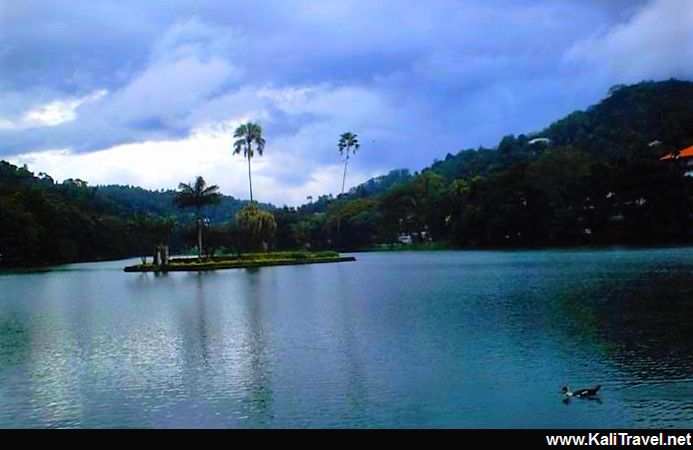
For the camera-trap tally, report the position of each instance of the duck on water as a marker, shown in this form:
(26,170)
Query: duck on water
(589,393)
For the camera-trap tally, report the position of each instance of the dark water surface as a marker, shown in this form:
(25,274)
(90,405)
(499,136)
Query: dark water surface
(439,339)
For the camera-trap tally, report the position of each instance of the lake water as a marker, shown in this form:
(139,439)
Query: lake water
(411,339)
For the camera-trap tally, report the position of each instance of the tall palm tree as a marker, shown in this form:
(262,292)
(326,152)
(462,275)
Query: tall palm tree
(197,196)
(249,140)
(348,143)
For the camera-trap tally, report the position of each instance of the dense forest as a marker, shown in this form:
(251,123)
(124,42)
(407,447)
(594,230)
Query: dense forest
(42,221)
(593,177)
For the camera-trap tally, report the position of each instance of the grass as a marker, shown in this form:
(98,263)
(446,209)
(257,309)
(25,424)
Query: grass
(263,256)
(246,260)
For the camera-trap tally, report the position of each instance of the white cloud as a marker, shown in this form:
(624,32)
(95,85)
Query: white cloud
(187,68)
(170,88)
(207,152)
(657,42)
(416,80)
(50,114)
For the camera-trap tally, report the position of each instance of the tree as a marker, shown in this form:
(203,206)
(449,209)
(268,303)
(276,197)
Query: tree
(354,222)
(149,231)
(348,143)
(197,196)
(249,140)
(257,225)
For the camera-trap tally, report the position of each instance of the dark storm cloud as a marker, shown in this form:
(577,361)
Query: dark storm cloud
(415,79)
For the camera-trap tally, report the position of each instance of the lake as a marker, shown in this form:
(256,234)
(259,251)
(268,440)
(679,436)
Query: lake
(401,339)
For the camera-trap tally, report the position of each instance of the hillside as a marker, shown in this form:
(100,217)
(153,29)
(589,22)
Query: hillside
(620,126)
(132,200)
(598,180)
(42,221)
(593,177)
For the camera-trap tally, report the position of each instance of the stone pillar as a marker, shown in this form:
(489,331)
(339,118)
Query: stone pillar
(164,255)
(161,255)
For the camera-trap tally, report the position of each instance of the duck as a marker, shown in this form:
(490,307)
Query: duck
(581,393)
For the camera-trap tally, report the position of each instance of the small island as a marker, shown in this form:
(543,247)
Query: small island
(244,261)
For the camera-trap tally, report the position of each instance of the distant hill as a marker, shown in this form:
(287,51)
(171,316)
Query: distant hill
(42,221)
(132,200)
(382,183)
(630,118)
(591,177)
(622,125)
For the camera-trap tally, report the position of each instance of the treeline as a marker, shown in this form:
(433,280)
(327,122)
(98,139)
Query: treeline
(563,197)
(594,177)
(43,221)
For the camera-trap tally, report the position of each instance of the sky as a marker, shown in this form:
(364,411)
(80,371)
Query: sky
(149,93)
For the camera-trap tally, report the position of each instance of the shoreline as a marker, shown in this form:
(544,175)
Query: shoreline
(445,248)
(46,266)
(233,264)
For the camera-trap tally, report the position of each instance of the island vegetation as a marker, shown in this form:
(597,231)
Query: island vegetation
(594,177)
(242,261)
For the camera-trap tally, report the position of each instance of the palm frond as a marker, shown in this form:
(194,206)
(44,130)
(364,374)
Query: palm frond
(238,146)
(200,184)
(197,195)
(240,131)
(249,134)
(348,142)
(211,190)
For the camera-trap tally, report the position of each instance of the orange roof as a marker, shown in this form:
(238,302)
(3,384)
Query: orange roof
(685,153)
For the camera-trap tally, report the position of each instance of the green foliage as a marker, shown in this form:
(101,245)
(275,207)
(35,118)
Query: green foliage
(382,183)
(257,226)
(352,224)
(45,222)
(197,195)
(249,140)
(242,261)
(348,144)
(131,201)
(622,125)
(147,231)
(596,181)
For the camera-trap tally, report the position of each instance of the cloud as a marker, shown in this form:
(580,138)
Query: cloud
(415,81)
(181,74)
(206,152)
(168,89)
(50,114)
(656,43)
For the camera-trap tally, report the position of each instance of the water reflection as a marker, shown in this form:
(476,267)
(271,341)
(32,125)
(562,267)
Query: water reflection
(425,339)
(636,320)
(356,386)
(256,369)
(15,341)
(639,322)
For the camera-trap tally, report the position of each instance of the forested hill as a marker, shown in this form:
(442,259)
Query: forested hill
(43,221)
(623,125)
(133,200)
(629,119)
(593,177)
